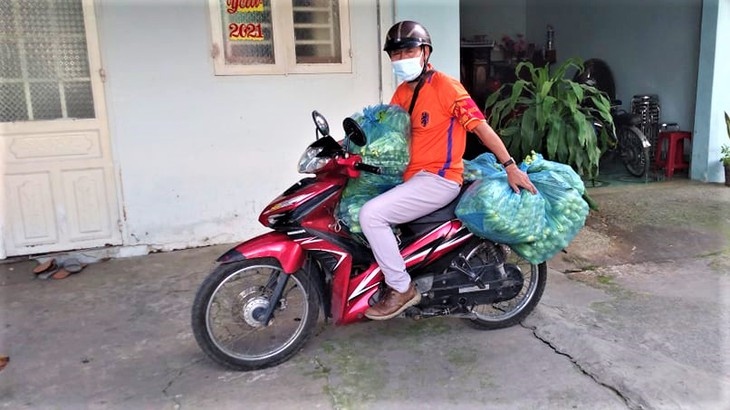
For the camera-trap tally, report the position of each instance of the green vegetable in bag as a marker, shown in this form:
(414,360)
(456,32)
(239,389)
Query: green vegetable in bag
(387,131)
(535,226)
(566,211)
(491,209)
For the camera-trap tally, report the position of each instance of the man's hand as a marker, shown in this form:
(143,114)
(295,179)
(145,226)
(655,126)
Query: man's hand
(516,178)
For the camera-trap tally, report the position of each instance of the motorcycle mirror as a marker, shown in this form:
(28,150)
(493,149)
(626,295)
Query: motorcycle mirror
(322,126)
(354,132)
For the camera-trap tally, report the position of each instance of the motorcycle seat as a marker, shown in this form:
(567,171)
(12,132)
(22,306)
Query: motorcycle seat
(625,118)
(421,225)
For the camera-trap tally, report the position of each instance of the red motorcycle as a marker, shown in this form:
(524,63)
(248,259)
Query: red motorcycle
(262,303)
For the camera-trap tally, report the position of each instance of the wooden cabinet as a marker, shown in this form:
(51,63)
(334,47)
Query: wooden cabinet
(476,66)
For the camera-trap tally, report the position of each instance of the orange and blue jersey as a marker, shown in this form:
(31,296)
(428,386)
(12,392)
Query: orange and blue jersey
(443,114)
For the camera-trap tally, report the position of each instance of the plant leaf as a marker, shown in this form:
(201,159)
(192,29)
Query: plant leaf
(527,132)
(548,113)
(517,90)
(566,134)
(530,67)
(510,131)
(577,90)
(493,98)
(553,139)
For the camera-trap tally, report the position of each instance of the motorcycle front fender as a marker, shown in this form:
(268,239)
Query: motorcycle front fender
(269,245)
(644,140)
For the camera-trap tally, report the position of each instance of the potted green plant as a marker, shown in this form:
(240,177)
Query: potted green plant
(725,151)
(545,112)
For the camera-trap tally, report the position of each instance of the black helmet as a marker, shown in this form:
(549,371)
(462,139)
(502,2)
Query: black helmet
(407,34)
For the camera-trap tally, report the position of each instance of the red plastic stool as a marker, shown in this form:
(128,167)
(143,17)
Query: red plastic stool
(674,159)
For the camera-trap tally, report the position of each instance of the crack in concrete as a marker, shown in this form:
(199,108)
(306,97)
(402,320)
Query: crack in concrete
(326,371)
(177,405)
(177,375)
(629,402)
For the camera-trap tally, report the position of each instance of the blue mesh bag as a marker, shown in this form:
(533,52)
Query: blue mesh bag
(491,209)
(565,213)
(536,226)
(387,130)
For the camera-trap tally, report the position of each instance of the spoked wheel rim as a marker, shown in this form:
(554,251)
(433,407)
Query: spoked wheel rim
(633,153)
(503,311)
(234,311)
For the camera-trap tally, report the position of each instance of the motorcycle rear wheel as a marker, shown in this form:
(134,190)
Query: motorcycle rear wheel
(508,313)
(634,154)
(225,313)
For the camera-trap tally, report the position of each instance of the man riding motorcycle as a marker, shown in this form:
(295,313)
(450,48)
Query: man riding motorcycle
(441,113)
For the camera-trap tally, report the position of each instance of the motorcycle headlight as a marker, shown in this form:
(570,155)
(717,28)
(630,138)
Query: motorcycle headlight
(310,163)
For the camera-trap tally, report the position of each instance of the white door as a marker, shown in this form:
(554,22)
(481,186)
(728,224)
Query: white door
(58,175)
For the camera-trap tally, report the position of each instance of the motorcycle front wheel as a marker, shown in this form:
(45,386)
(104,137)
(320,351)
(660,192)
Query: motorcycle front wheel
(510,312)
(226,314)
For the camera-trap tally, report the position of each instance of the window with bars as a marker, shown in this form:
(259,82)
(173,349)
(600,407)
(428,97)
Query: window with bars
(44,66)
(280,36)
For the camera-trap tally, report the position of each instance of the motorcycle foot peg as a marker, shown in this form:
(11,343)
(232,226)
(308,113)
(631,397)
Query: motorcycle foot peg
(413,313)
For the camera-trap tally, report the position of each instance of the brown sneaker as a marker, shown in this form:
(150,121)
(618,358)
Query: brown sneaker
(393,303)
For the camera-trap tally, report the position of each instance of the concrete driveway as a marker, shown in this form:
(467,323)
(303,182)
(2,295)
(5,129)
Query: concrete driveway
(635,315)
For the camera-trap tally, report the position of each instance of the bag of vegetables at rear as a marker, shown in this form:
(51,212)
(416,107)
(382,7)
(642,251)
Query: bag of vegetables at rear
(387,130)
(535,226)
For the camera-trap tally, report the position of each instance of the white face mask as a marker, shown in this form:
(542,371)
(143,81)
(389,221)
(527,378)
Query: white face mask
(407,69)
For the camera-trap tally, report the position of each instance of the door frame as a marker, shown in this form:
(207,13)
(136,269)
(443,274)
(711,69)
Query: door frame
(97,79)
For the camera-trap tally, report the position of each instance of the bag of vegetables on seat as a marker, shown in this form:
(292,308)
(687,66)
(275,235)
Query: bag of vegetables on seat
(566,210)
(387,130)
(491,209)
(535,226)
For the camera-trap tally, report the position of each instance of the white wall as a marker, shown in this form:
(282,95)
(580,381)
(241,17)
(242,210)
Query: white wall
(200,155)
(713,99)
(441,19)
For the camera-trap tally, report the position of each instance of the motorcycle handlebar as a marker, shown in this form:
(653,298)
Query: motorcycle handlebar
(368,168)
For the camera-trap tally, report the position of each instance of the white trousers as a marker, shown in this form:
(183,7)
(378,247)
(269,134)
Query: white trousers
(421,195)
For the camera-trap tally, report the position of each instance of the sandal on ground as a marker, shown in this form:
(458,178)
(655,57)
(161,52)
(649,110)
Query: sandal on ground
(50,272)
(45,266)
(70,266)
(61,274)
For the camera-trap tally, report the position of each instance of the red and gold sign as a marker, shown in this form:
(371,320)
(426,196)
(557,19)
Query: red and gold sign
(244,6)
(243,31)
(247,26)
